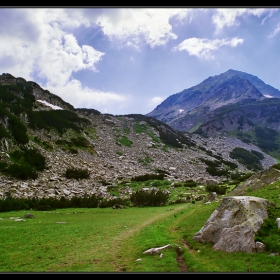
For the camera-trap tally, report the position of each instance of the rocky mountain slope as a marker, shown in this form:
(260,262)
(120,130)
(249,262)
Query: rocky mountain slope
(233,103)
(42,137)
(214,92)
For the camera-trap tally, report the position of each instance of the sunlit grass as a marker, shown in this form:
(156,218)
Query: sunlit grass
(113,240)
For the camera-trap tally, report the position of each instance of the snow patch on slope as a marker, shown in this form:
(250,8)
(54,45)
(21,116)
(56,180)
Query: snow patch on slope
(50,105)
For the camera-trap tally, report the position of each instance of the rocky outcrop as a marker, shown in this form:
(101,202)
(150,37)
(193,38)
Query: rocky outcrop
(234,224)
(257,181)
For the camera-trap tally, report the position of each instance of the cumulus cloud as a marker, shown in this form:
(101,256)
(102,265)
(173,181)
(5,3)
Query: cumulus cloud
(153,102)
(83,97)
(205,48)
(53,54)
(135,27)
(44,48)
(40,44)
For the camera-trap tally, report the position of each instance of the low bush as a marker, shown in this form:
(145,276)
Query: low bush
(76,173)
(148,177)
(217,189)
(241,177)
(80,142)
(149,198)
(190,183)
(276,166)
(21,171)
(269,232)
(250,160)
(31,157)
(46,204)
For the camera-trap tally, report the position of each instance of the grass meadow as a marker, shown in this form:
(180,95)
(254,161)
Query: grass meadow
(107,240)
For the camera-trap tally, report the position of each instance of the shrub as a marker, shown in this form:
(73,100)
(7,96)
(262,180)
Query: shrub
(218,189)
(149,198)
(73,151)
(3,165)
(3,132)
(216,172)
(269,232)
(148,177)
(247,158)
(31,157)
(34,158)
(25,166)
(80,141)
(240,177)
(76,173)
(276,166)
(257,154)
(190,183)
(60,120)
(44,208)
(22,171)
(18,130)
(121,202)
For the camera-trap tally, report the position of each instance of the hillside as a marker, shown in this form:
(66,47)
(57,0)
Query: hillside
(214,92)
(232,104)
(43,139)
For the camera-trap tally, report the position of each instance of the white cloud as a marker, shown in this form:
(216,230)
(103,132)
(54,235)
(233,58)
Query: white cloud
(205,48)
(52,55)
(153,102)
(63,54)
(83,97)
(135,27)
(275,31)
(229,16)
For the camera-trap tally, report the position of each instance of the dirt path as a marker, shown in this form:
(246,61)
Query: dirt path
(123,237)
(180,259)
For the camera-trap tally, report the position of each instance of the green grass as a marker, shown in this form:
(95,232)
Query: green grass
(113,240)
(124,141)
(79,240)
(139,128)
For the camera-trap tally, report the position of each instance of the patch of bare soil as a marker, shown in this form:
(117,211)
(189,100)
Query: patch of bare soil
(181,261)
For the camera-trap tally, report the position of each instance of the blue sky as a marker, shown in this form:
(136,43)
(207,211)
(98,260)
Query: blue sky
(128,60)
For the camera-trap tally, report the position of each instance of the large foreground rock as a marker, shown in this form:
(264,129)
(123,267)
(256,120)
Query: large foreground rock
(234,224)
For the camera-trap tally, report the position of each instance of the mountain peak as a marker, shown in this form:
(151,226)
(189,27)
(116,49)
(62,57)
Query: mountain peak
(214,92)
